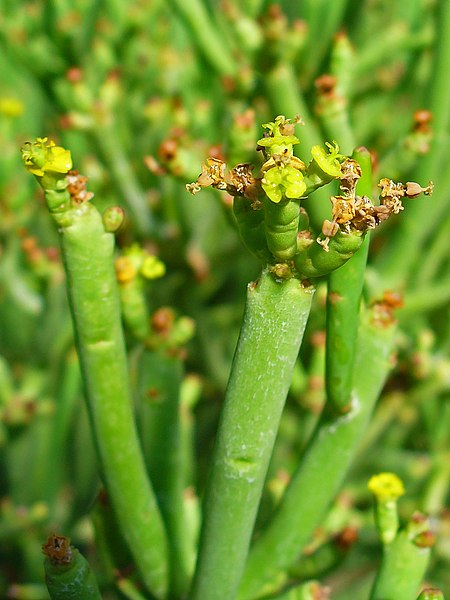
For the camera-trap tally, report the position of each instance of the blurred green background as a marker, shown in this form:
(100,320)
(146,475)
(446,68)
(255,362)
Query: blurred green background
(142,92)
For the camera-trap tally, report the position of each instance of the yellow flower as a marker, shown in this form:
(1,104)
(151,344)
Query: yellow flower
(386,486)
(138,262)
(44,157)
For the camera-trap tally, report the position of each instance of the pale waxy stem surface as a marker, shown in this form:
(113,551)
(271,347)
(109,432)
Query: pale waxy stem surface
(274,321)
(322,468)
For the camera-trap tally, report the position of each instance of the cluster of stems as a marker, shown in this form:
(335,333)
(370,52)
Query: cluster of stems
(275,227)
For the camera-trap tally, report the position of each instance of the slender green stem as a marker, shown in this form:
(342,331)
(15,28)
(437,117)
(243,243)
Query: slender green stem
(387,46)
(68,393)
(125,178)
(344,294)
(160,376)
(427,298)
(274,320)
(323,466)
(437,251)
(406,243)
(94,299)
(324,19)
(206,35)
(402,569)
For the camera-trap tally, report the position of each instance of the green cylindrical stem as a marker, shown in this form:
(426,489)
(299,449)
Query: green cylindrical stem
(134,308)
(281,222)
(315,261)
(344,293)
(124,178)
(88,257)
(159,379)
(402,569)
(274,320)
(70,578)
(323,466)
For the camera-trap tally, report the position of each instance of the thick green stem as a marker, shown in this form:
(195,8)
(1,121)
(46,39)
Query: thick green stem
(274,320)
(323,466)
(94,299)
(402,568)
(344,293)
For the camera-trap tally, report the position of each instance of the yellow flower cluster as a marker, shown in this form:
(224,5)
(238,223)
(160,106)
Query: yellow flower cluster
(137,261)
(44,157)
(386,486)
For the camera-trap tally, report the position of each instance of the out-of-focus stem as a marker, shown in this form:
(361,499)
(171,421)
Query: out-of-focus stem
(323,20)
(405,246)
(206,35)
(125,179)
(160,376)
(274,320)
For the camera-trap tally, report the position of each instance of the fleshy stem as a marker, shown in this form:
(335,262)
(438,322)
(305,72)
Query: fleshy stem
(323,465)
(67,573)
(404,562)
(274,320)
(87,251)
(343,299)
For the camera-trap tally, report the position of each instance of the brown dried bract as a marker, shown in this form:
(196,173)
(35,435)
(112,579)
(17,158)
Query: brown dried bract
(351,173)
(58,549)
(77,187)
(242,181)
